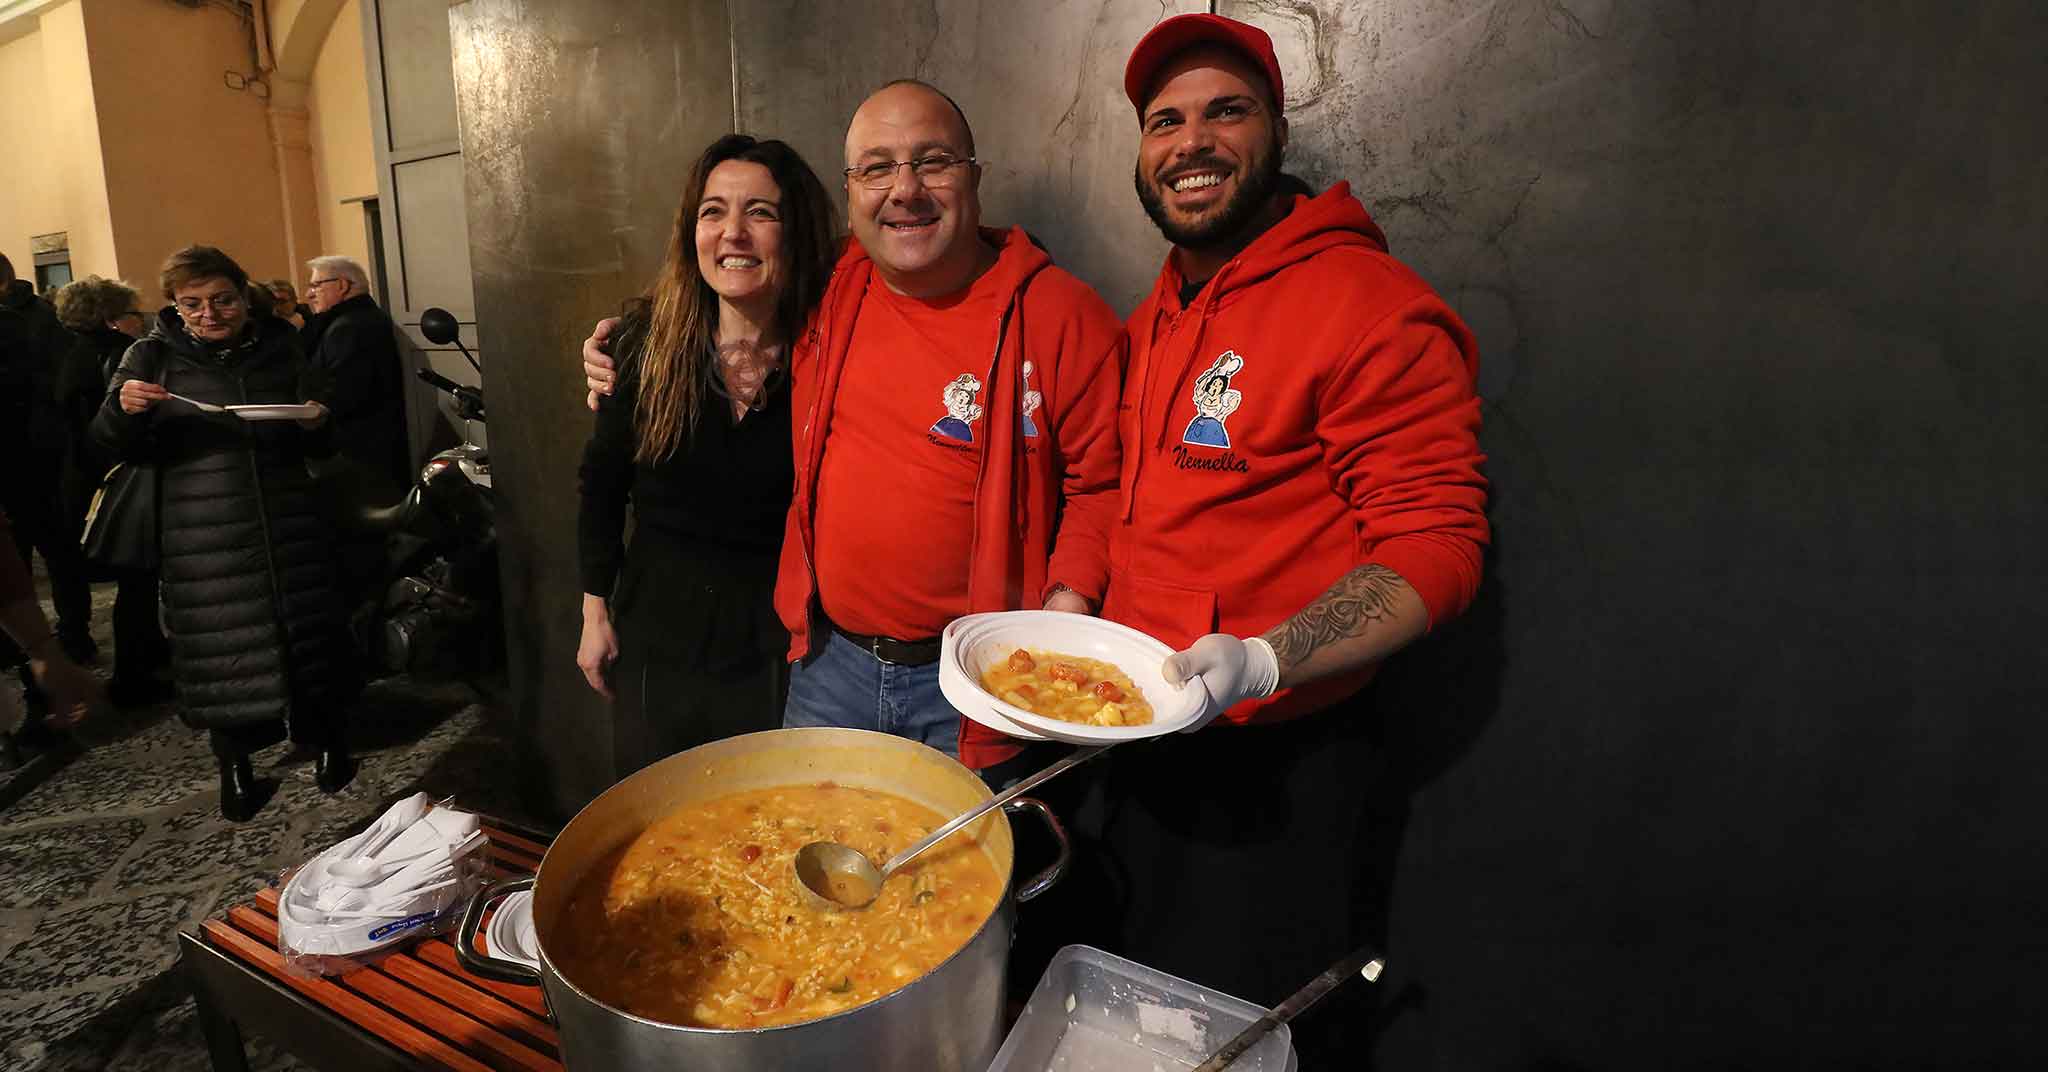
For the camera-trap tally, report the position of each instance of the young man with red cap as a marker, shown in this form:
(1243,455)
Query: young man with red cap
(1301,499)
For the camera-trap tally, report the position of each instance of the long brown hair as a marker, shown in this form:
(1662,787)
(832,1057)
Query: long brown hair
(681,309)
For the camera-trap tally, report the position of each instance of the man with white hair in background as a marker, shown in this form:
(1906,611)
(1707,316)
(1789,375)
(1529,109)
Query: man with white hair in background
(352,338)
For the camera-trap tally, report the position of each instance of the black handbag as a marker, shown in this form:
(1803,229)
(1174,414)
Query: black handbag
(121,527)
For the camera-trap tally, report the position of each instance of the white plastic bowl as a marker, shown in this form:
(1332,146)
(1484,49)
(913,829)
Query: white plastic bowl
(970,644)
(511,932)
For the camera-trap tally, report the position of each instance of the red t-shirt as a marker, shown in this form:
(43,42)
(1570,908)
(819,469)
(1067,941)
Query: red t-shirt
(892,556)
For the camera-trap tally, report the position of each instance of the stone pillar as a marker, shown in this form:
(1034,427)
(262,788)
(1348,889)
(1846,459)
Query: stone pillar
(291,140)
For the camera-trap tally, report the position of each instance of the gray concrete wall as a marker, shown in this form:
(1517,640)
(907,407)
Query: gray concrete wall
(1756,289)
(1738,734)
(1042,85)
(578,123)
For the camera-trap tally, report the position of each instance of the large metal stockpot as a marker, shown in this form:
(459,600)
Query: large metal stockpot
(949,1019)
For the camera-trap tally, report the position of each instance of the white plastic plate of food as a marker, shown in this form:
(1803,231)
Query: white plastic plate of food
(973,645)
(276,412)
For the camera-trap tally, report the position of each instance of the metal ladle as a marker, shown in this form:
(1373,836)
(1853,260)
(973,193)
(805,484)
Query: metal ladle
(1362,962)
(840,877)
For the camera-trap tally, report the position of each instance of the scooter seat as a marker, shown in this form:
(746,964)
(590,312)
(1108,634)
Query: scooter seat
(384,518)
(388,519)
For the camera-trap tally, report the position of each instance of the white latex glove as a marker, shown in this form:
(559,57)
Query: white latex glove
(1231,670)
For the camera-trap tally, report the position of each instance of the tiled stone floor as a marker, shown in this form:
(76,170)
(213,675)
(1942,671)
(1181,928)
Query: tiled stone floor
(106,854)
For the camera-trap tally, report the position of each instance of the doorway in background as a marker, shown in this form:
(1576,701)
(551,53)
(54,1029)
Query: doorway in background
(52,260)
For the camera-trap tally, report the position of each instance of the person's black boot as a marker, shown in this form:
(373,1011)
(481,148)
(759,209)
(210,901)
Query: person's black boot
(240,796)
(333,769)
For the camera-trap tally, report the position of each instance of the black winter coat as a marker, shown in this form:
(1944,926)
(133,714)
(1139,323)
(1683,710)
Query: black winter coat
(32,347)
(257,625)
(81,387)
(356,345)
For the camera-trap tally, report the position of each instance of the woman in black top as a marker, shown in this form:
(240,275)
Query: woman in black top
(684,636)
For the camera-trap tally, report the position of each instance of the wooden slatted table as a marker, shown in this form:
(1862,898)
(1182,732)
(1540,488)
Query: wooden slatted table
(414,1009)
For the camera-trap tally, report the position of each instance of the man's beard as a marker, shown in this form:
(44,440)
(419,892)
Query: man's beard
(1224,226)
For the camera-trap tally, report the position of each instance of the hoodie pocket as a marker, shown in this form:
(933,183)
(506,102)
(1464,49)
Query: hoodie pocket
(1174,613)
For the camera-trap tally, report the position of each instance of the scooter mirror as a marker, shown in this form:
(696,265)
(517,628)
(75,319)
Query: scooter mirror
(439,326)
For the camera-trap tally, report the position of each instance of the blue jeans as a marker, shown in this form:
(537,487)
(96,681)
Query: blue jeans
(847,687)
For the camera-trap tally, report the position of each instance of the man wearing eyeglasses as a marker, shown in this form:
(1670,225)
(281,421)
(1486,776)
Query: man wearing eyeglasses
(957,451)
(351,337)
(922,492)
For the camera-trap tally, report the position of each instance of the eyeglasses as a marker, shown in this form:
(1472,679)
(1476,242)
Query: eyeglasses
(936,170)
(219,303)
(316,284)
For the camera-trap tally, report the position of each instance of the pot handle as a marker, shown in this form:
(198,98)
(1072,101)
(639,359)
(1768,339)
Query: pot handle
(1046,879)
(490,967)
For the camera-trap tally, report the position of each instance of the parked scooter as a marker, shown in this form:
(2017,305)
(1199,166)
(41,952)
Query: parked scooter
(438,608)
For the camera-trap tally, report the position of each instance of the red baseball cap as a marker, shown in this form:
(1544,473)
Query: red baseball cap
(1182,32)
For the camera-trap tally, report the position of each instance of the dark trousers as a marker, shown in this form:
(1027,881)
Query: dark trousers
(1245,859)
(700,650)
(139,645)
(309,728)
(664,706)
(40,528)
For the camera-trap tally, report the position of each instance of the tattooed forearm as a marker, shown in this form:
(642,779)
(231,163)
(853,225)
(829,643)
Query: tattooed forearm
(1363,597)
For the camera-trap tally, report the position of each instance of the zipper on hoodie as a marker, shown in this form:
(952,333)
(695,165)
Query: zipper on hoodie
(995,355)
(805,501)
(1203,303)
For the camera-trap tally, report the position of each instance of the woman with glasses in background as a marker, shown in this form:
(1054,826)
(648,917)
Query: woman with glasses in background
(285,303)
(106,317)
(258,630)
(680,627)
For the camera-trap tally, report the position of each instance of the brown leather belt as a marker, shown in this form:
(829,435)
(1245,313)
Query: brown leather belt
(894,651)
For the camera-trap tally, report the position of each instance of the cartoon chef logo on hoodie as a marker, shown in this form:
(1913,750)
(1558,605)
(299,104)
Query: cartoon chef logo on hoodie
(961,409)
(1031,401)
(1215,401)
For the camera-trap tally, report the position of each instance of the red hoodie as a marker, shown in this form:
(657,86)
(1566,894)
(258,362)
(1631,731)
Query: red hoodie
(1336,426)
(1043,504)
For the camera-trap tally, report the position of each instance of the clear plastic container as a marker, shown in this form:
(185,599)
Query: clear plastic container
(1094,1012)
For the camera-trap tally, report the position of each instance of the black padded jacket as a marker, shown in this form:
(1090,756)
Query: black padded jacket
(355,345)
(257,625)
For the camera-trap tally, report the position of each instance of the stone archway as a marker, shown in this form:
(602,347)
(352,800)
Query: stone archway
(297,31)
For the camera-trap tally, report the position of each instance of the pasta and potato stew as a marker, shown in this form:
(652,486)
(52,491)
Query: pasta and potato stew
(699,920)
(1067,687)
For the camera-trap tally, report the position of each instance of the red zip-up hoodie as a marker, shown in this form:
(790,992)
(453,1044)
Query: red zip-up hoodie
(1043,504)
(1311,412)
